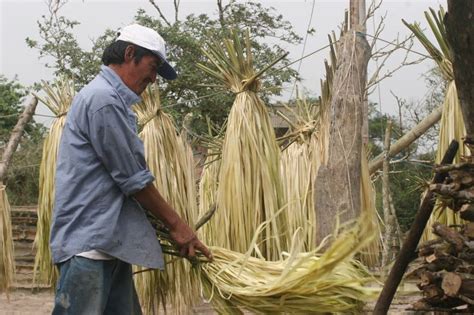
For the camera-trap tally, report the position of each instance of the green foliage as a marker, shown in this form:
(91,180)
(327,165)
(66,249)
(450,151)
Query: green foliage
(193,92)
(407,183)
(68,58)
(11,93)
(22,175)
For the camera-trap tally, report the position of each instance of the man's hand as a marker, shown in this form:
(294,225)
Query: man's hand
(180,232)
(187,241)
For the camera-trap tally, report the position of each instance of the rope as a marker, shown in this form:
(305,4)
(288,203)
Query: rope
(391,43)
(304,45)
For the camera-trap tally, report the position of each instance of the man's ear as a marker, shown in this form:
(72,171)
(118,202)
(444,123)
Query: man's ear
(129,53)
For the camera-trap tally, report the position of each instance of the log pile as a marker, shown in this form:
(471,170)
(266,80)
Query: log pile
(445,266)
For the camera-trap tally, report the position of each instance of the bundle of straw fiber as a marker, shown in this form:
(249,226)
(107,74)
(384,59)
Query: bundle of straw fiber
(370,255)
(58,99)
(7,261)
(170,160)
(298,283)
(207,192)
(452,123)
(300,161)
(250,189)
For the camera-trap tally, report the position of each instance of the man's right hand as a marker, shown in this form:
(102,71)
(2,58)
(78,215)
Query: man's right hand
(187,241)
(180,232)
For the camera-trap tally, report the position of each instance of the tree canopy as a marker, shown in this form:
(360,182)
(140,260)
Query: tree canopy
(193,92)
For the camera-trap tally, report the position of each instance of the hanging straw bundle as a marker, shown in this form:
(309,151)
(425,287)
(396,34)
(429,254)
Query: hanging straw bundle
(308,149)
(300,161)
(452,123)
(298,283)
(250,189)
(208,183)
(58,99)
(170,160)
(7,261)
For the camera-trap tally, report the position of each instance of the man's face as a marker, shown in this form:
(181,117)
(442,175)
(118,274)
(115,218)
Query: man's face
(139,75)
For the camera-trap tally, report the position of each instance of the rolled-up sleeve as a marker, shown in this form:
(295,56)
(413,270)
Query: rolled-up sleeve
(120,150)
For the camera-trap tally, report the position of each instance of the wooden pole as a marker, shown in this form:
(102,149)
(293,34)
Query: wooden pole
(389,227)
(407,139)
(409,246)
(16,136)
(357,22)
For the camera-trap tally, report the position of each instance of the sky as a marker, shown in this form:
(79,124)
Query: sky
(18,20)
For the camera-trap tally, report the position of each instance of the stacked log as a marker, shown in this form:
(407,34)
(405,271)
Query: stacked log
(445,266)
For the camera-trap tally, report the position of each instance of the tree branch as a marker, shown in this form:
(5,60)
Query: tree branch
(16,136)
(176,9)
(162,16)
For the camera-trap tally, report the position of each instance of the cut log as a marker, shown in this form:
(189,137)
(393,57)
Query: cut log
(429,247)
(467,257)
(442,261)
(421,305)
(467,212)
(428,277)
(466,194)
(451,284)
(467,179)
(457,285)
(454,167)
(449,235)
(432,293)
(468,230)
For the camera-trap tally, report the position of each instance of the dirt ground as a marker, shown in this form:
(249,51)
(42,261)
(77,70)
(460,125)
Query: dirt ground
(26,302)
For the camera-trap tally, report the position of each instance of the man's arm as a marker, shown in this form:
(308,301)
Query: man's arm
(182,234)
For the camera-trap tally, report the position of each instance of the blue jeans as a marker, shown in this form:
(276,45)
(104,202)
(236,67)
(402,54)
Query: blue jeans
(93,287)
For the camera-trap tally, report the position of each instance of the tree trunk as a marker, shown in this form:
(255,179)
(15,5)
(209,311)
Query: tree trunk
(16,136)
(460,30)
(337,188)
(357,22)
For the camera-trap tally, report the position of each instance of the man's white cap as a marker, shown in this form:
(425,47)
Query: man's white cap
(147,38)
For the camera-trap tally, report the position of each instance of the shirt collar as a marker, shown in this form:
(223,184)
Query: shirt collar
(127,95)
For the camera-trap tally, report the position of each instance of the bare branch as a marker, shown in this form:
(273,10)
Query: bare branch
(160,12)
(376,78)
(400,104)
(374,6)
(176,9)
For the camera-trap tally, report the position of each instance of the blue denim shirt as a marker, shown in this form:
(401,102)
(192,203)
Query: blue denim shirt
(100,165)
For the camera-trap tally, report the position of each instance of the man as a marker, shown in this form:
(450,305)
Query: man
(102,182)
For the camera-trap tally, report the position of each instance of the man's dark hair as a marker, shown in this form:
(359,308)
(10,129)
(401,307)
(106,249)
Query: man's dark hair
(115,52)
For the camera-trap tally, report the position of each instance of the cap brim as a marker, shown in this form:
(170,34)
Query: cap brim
(166,70)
